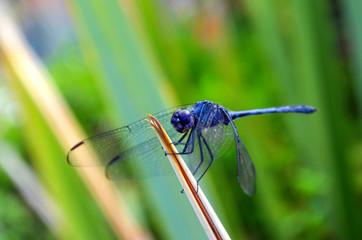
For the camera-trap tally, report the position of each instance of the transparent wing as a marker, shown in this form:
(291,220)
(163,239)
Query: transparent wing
(246,170)
(126,149)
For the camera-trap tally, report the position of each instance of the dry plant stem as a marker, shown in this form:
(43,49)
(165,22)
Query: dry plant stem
(32,75)
(207,216)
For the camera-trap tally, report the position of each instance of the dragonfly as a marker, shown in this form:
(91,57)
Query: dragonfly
(201,132)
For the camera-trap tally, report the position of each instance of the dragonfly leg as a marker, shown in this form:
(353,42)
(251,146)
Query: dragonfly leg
(189,141)
(211,157)
(179,142)
(201,153)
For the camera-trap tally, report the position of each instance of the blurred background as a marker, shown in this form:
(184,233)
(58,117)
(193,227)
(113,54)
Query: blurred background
(72,69)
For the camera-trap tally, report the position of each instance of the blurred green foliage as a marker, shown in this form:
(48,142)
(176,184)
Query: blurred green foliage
(133,58)
(13,217)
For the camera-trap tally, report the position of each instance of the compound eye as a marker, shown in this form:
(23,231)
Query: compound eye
(182,120)
(174,120)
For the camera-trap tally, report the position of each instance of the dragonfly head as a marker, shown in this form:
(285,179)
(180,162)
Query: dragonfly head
(182,120)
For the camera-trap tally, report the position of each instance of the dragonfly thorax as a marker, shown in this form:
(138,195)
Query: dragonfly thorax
(182,120)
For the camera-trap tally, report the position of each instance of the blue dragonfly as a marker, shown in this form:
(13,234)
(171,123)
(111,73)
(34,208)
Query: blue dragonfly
(202,132)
